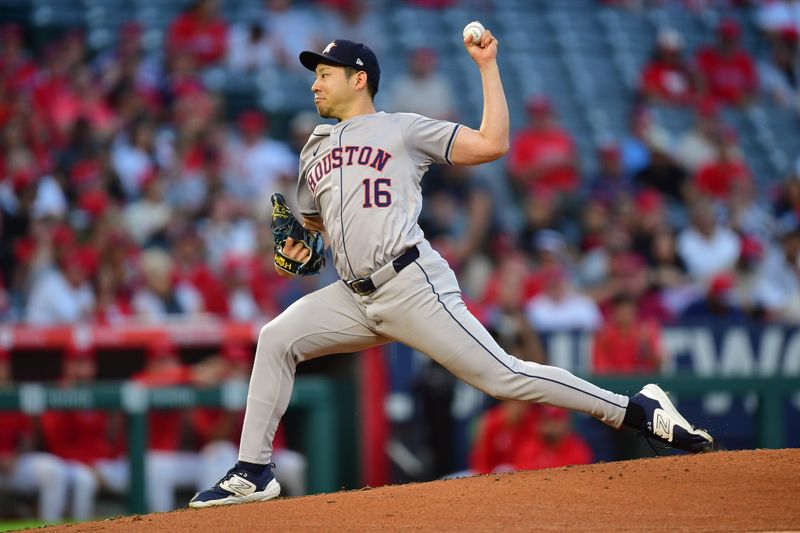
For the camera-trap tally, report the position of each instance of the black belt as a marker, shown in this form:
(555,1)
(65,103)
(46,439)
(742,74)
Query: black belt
(366,285)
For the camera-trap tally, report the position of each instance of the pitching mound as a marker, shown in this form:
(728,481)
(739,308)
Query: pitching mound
(725,491)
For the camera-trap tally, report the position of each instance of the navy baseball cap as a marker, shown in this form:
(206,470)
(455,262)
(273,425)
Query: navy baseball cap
(347,54)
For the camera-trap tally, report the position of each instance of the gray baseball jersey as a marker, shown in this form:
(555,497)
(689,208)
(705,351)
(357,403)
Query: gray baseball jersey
(362,176)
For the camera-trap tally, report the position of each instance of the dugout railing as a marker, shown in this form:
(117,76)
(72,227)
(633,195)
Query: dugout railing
(314,400)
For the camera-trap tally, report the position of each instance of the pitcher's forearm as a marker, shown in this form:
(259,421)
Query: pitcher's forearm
(495,121)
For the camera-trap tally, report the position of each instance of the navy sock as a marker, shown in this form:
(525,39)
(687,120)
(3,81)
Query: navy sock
(251,468)
(634,416)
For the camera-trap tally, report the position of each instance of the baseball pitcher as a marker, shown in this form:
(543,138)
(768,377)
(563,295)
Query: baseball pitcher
(359,183)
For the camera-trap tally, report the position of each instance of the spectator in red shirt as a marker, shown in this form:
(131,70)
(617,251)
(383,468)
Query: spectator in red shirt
(727,71)
(556,446)
(193,269)
(115,277)
(503,430)
(16,69)
(666,78)
(543,154)
(200,32)
(23,470)
(718,178)
(625,345)
(168,467)
(81,438)
(81,99)
(512,282)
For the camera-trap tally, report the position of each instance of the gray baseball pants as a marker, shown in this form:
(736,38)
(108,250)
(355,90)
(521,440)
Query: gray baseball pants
(422,308)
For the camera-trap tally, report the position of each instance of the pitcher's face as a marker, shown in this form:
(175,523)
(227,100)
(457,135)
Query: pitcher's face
(333,90)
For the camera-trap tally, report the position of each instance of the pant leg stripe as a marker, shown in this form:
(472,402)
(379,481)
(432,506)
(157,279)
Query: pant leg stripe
(498,359)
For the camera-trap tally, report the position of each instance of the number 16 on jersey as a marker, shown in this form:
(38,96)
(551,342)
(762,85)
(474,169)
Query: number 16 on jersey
(376,193)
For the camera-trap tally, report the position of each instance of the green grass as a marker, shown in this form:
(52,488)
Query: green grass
(15,525)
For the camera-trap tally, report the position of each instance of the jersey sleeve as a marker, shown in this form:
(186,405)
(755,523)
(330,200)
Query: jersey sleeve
(431,139)
(305,200)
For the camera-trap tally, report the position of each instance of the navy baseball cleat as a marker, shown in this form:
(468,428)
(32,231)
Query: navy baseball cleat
(664,424)
(239,486)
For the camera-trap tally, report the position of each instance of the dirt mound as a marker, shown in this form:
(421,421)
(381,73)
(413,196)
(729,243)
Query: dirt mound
(725,491)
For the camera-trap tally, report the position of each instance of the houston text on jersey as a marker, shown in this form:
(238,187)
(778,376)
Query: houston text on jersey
(367,156)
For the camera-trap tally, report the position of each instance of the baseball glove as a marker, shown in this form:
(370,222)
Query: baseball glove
(285,225)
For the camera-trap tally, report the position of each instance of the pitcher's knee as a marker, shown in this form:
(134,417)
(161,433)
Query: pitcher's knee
(273,338)
(275,341)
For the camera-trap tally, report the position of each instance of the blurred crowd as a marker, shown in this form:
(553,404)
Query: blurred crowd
(127,193)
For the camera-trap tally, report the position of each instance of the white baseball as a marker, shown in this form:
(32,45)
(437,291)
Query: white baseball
(474,29)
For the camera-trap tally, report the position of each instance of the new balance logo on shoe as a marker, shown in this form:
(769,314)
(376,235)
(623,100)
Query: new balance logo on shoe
(663,425)
(238,485)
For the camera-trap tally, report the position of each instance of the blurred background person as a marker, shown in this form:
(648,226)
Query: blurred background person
(295,27)
(169,466)
(718,304)
(667,77)
(561,307)
(780,72)
(502,431)
(718,178)
(81,438)
(697,145)
(707,246)
(726,70)
(662,172)
(422,88)
(147,218)
(611,184)
(157,297)
(250,48)
(557,444)
(256,165)
(777,283)
(200,32)
(624,344)
(502,308)
(23,469)
(63,294)
(358,21)
(542,155)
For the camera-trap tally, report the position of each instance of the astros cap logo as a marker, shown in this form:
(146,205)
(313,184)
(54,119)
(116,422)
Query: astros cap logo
(328,48)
